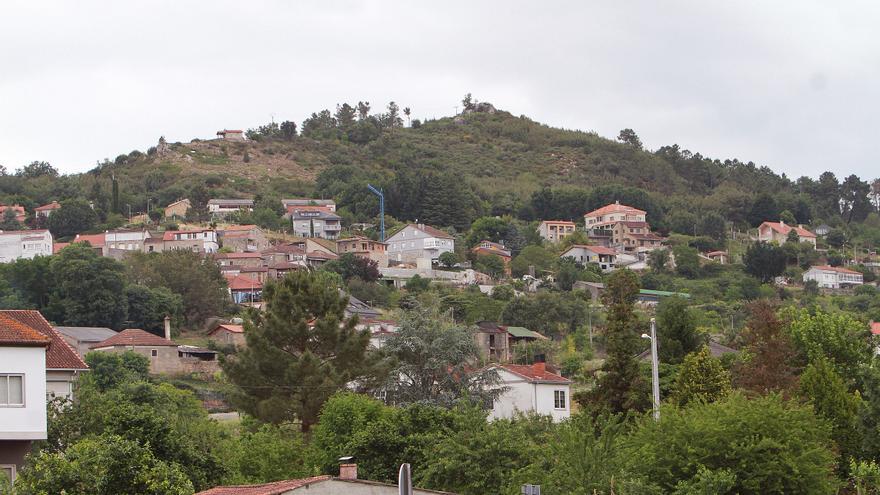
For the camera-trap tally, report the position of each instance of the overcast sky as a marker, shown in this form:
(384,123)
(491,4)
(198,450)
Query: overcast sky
(791,85)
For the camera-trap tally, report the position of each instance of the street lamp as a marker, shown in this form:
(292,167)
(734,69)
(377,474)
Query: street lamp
(655,372)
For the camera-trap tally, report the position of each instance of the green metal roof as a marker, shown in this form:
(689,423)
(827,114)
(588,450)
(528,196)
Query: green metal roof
(663,293)
(521,332)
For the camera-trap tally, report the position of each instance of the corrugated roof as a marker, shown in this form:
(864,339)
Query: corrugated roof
(60,355)
(87,334)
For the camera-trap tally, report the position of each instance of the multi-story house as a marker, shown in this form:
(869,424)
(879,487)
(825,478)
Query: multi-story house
(223,207)
(364,247)
(315,221)
(555,230)
(833,277)
(177,209)
(419,241)
(778,232)
(122,241)
(608,215)
(329,204)
(489,248)
(27,244)
(634,236)
(532,389)
(22,393)
(243,238)
(198,241)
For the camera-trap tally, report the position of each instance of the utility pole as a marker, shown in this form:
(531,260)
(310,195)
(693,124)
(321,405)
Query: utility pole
(381,194)
(655,369)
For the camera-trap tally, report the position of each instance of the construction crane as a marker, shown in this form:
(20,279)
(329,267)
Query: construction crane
(378,192)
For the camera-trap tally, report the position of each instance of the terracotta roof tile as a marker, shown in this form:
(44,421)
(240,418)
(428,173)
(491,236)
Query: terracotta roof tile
(134,336)
(837,269)
(275,488)
(51,206)
(239,282)
(60,355)
(15,333)
(596,249)
(875,327)
(228,327)
(615,208)
(785,229)
(535,373)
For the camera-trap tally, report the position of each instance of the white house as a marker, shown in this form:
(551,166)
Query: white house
(22,392)
(17,244)
(833,277)
(778,232)
(532,389)
(125,240)
(603,256)
(199,241)
(417,241)
(223,207)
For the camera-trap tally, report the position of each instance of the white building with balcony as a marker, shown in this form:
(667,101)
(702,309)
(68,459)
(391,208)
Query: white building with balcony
(419,241)
(315,221)
(833,277)
(17,244)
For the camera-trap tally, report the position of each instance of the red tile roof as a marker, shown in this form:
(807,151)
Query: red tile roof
(716,253)
(275,488)
(58,246)
(535,373)
(838,269)
(565,222)
(321,255)
(785,229)
(134,337)
(596,249)
(15,333)
(239,282)
(875,327)
(60,355)
(615,208)
(96,240)
(228,327)
(51,206)
(169,234)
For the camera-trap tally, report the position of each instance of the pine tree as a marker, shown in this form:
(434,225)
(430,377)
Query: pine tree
(701,378)
(114,206)
(768,367)
(300,351)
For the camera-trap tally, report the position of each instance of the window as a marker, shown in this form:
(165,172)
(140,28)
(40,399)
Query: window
(11,390)
(7,474)
(154,352)
(559,399)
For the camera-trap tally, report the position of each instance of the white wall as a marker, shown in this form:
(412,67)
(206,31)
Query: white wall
(523,396)
(24,245)
(28,422)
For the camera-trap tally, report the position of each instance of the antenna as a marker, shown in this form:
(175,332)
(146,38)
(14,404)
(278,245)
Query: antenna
(378,192)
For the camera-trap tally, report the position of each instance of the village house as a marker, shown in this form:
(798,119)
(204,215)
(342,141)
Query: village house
(228,334)
(17,209)
(487,248)
(197,241)
(605,258)
(165,356)
(625,227)
(22,393)
(608,215)
(778,232)
(419,241)
(177,209)
(243,238)
(833,277)
(46,210)
(82,338)
(63,364)
(244,289)
(532,389)
(219,208)
(718,257)
(365,248)
(492,341)
(379,330)
(239,259)
(328,204)
(555,230)
(24,244)
(634,237)
(120,242)
(314,221)
(347,483)
(231,135)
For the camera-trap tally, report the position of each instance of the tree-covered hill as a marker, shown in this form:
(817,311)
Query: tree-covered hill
(449,171)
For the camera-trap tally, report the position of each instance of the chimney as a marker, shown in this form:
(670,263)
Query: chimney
(167,327)
(348,471)
(540,367)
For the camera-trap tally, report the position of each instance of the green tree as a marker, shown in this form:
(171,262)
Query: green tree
(37,169)
(787,217)
(288,130)
(764,209)
(677,330)
(542,259)
(108,370)
(434,357)
(88,289)
(617,389)
(770,446)
(701,378)
(301,350)
(147,308)
(448,259)
(103,465)
(350,265)
(629,136)
(713,225)
(266,453)
(74,216)
(838,337)
(687,261)
(836,238)
(554,314)
(658,260)
(195,279)
(10,221)
(490,264)
(764,261)
(769,364)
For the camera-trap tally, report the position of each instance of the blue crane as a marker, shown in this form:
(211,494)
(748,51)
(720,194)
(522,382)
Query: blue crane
(378,192)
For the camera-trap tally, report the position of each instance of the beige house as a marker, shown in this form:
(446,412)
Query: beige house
(363,247)
(177,209)
(778,232)
(231,135)
(611,214)
(556,230)
(228,334)
(243,238)
(166,357)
